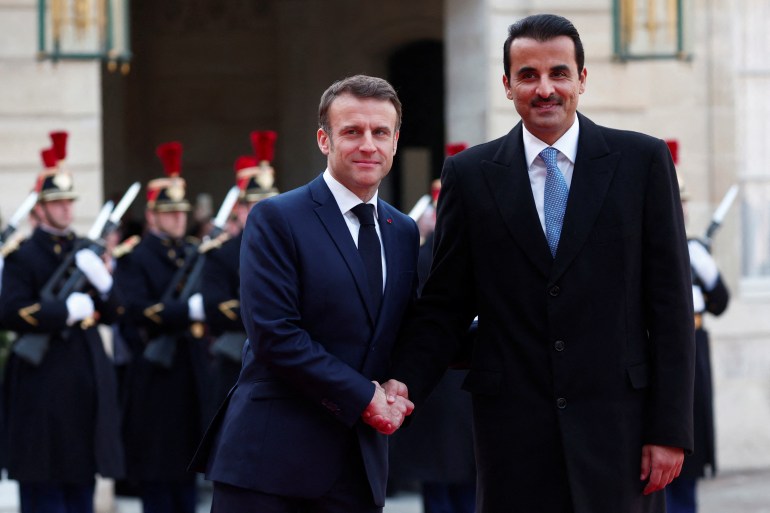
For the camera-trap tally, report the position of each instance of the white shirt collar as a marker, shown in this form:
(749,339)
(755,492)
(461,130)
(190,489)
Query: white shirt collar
(567,144)
(346,200)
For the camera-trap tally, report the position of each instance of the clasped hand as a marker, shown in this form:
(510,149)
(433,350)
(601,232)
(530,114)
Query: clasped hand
(388,408)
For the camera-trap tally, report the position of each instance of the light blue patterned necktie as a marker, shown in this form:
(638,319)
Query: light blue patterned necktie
(556,193)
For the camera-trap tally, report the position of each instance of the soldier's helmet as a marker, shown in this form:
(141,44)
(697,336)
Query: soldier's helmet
(54,182)
(167,194)
(255,175)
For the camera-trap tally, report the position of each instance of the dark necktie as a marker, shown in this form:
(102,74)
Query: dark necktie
(555,201)
(369,249)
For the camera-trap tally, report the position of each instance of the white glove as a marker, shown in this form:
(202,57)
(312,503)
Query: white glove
(703,265)
(94,269)
(79,306)
(195,307)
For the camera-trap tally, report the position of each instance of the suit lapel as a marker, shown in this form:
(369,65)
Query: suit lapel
(329,214)
(508,179)
(594,168)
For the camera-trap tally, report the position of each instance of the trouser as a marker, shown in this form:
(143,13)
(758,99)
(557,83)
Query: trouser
(168,497)
(56,498)
(681,496)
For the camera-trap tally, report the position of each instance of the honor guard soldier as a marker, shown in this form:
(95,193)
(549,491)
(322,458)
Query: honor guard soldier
(221,281)
(163,382)
(60,396)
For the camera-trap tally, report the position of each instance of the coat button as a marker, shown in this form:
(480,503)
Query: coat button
(554,291)
(559,345)
(561,403)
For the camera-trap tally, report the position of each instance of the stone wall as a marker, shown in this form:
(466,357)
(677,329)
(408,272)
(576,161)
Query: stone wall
(37,98)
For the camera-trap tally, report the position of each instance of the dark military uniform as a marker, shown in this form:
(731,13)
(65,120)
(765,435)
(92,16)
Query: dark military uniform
(715,302)
(162,408)
(62,416)
(162,399)
(221,299)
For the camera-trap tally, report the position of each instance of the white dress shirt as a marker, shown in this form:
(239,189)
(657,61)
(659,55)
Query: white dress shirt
(346,200)
(567,146)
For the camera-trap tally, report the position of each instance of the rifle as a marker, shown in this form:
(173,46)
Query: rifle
(67,278)
(719,216)
(420,207)
(17,216)
(161,350)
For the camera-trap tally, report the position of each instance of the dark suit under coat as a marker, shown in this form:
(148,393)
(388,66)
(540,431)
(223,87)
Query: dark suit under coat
(314,346)
(61,417)
(581,359)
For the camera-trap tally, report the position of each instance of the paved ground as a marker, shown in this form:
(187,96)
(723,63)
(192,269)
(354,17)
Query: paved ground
(745,492)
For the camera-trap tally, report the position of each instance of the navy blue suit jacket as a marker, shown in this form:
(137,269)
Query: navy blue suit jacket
(314,345)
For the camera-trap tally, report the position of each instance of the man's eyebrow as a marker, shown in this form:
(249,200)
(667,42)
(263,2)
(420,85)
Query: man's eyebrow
(525,69)
(530,69)
(560,67)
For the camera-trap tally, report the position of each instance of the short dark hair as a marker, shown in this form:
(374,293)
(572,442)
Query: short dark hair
(542,27)
(360,86)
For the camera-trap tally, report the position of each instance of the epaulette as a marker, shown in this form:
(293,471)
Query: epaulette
(11,246)
(214,243)
(191,239)
(126,247)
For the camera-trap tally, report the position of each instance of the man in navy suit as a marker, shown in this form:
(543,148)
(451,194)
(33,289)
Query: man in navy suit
(321,324)
(567,240)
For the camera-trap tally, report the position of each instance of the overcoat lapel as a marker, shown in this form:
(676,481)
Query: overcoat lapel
(330,216)
(594,168)
(508,180)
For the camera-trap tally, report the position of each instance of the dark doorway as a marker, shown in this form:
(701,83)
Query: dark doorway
(417,72)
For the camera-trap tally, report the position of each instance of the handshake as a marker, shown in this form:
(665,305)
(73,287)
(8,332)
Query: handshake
(389,407)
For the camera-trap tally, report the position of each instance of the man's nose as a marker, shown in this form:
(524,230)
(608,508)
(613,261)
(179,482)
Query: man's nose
(545,88)
(367,142)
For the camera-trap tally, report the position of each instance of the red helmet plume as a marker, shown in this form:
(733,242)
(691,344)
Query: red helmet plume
(59,142)
(170,155)
(263,143)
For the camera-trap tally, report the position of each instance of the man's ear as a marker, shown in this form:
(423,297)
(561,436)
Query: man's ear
(324,141)
(507,86)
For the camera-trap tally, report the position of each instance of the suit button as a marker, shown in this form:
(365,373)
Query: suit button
(554,291)
(559,345)
(561,403)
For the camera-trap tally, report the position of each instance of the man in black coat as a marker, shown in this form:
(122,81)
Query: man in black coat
(163,403)
(567,240)
(61,415)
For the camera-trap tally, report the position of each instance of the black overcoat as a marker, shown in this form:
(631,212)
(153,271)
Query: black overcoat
(578,360)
